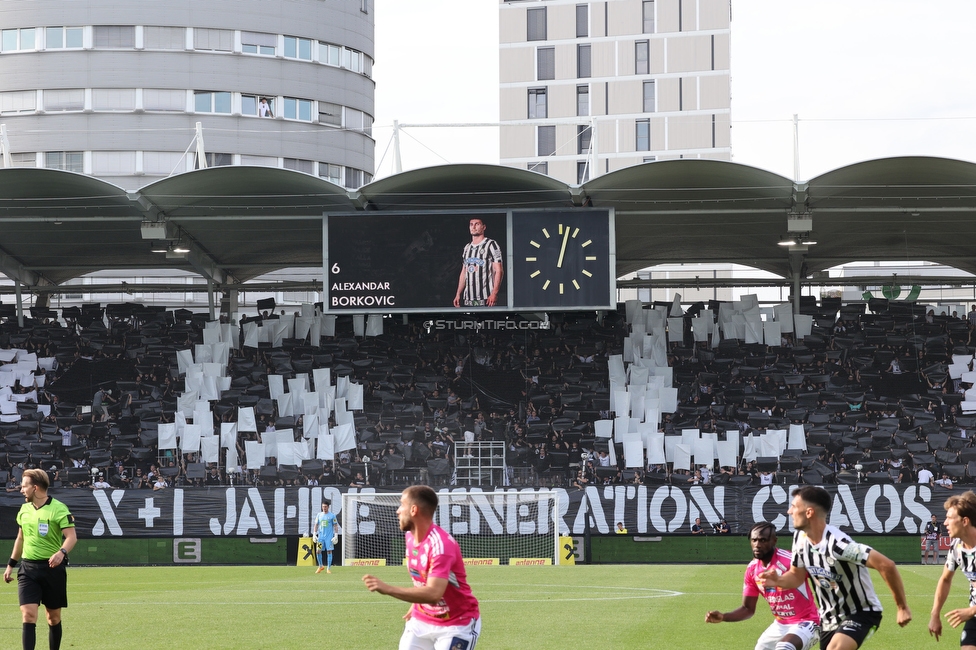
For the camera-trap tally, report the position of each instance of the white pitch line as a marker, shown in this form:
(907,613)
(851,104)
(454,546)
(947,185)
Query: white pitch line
(660,593)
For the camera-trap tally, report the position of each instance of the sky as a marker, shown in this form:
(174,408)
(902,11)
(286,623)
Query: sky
(866,78)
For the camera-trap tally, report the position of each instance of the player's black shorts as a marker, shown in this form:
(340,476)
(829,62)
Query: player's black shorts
(37,583)
(858,626)
(968,633)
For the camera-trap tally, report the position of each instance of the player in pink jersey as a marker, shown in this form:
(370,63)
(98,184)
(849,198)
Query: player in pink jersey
(797,624)
(444,615)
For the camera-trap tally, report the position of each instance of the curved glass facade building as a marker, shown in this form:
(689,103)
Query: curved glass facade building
(115,89)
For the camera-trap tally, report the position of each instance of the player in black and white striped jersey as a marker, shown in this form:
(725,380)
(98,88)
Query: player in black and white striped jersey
(850,611)
(961,522)
(481,269)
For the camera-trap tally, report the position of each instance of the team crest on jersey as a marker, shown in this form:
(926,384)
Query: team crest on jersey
(459,644)
(826,584)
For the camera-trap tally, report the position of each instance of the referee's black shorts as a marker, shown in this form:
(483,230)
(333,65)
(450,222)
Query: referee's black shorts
(39,584)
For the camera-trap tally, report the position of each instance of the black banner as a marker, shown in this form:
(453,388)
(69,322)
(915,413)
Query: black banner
(644,510)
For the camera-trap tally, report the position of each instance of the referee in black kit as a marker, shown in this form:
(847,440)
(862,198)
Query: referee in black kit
(47,535)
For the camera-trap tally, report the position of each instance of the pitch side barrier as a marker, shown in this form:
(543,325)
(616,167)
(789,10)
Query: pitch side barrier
(250,512)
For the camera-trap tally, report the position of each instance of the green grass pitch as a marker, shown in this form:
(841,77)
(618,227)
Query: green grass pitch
(606,606)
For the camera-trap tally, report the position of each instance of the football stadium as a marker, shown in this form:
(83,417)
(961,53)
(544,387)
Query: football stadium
(223,362)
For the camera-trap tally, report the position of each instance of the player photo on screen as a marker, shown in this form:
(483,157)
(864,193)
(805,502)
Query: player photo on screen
(396,262)
(482,268)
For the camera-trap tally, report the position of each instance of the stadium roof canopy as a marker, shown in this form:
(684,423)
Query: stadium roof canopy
(242,222)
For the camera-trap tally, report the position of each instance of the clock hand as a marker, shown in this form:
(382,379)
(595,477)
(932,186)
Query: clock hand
(562,251)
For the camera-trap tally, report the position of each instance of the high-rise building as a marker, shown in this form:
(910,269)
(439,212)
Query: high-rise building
(591,87)
(115,89)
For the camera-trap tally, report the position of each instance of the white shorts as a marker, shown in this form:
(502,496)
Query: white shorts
(425,636)
(807,632)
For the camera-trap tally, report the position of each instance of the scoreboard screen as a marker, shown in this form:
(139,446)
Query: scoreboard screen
(469,261)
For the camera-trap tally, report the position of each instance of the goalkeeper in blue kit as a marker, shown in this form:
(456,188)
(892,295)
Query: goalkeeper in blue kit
(325,535)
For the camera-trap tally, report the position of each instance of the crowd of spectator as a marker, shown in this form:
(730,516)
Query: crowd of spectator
(878,393)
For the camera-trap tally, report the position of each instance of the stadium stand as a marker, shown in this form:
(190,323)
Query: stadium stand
(837,393)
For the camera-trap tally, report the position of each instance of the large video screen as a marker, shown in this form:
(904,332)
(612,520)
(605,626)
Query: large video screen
(402,262)
(469,261)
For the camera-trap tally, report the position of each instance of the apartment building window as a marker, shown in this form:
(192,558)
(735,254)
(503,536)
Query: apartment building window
(583,100)
(250,104)
(12,40)
(535,24)
(582,172)
(546,140)
(59,38)
(582,21)
(330,54)
(113,163)
(538,103)
(163,99)
(352,60)
(356,120)
(582,61)
(330,114)
(300,165)
(162,163)
(648,11)
(331,173)
(18,101)
(258,43)
(113,99)
(643,135)
(354,178)
(164,38)
(298,48)
(215,160)
(69,161)
(298,109)
(583,139)
(214,40)
(114,37)
(650,97)
(65,99)
(546,63)
(211,102)
(23,159)
(539,168)
(642,63)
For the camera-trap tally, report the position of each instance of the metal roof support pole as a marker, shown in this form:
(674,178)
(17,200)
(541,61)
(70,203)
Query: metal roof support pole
(796,273)
(231,305)
(210,298)
(594,150)
(201,150)
(5,147)
(397,165)
(20,303)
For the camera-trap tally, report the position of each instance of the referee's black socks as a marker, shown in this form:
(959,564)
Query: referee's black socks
(54,637)
(29,635)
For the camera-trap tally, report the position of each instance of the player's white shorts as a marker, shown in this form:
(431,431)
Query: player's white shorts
(807,632)
(424,636)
